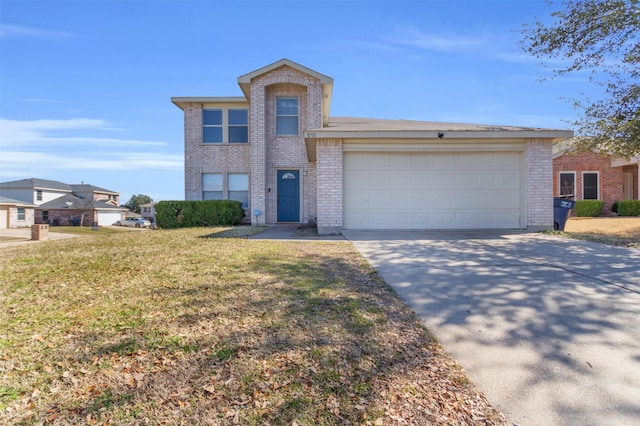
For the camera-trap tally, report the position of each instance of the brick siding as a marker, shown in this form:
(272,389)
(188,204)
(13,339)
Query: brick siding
(330,179)
(538,184)
(609,179)
(269,152)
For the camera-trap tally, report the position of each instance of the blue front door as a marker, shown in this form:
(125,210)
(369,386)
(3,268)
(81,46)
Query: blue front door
(288,195)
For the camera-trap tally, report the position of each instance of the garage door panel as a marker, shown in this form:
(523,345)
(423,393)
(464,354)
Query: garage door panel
(442,162)
(432,191)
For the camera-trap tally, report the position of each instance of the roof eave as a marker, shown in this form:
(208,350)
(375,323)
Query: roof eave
(182,101)
(554,135)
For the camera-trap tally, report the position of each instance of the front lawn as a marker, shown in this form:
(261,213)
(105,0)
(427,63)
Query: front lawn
(618,231)
(177,327)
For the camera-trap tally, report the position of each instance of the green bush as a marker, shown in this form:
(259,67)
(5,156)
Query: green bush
(614,207)
(191,214)
(629,208)
(588,208)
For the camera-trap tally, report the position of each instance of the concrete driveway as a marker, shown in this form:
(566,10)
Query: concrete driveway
(548,328)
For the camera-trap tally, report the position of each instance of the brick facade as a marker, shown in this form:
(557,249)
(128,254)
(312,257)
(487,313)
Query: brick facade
(538,169)
(320,163)
(610,179)
(330,184)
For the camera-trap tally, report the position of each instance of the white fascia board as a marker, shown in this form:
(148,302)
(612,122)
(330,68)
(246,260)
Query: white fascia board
(554,135)
(181,101)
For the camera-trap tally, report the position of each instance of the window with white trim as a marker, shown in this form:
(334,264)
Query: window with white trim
(20,213)
(590,186)
(287,113)
(38,195)
(567,183)
(225,125)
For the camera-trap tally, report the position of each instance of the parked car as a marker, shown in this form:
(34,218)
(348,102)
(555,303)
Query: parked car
(134,222)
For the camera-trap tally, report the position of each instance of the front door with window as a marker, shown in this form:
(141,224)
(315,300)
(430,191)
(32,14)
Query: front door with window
(288,196)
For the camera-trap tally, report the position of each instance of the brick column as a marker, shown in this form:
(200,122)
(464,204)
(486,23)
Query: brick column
(539,184)
(329,185)
(258,154)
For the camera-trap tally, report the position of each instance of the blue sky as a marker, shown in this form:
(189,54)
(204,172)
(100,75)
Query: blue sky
(85,86)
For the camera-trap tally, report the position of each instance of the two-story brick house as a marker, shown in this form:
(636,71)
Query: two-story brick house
(278,151)
(60,203)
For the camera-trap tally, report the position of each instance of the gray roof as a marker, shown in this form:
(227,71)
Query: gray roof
(77,204)
(10,201)
(86,188)
(354,124)
(34,183)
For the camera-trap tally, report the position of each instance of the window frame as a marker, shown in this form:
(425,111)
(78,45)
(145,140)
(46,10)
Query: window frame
(238,191)
(597,187)
(226,191)
(278,115)
(560,187)
(225,126)
(216,191)
(38,195)
(21,213)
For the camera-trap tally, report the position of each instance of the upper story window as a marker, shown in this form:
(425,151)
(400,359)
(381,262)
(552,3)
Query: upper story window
(225,125)
(39,195)
(287,113)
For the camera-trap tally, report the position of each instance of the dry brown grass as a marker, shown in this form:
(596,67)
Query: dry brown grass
(620,231)
(170,327)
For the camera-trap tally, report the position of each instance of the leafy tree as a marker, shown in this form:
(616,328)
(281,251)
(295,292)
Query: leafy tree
(601,37)
(136,201)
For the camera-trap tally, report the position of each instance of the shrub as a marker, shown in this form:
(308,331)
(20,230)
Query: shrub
(629,208)
(588,208)
(614,207)
(190,214)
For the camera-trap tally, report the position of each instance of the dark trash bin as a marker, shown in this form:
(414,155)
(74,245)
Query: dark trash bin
(561,207)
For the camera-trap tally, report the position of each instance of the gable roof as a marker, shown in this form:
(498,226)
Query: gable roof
(91,188)
(78,203)
(34,183)
(327,82)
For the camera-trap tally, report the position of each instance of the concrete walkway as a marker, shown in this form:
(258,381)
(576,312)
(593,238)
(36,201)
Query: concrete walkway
(293,232)
(548,328)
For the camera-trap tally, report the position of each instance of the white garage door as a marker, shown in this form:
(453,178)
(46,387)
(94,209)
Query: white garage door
(108,218)
(433,191)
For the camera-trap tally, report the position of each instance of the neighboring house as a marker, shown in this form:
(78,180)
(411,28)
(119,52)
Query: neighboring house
(148,211)
(59,203)
(16,213)
(589,175)
(278,151)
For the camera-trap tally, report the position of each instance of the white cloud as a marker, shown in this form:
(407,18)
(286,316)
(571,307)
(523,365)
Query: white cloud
(25,163)
(414,37)
(40,133)
(19,31)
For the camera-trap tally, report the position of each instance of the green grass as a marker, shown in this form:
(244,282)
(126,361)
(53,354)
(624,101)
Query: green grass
(201,326)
